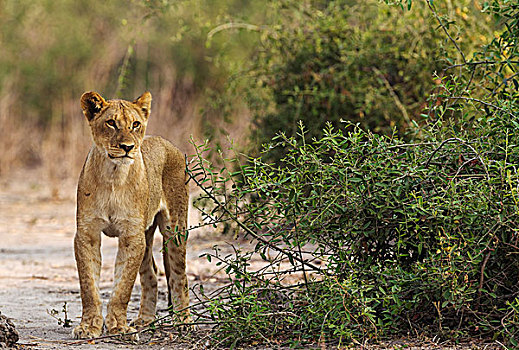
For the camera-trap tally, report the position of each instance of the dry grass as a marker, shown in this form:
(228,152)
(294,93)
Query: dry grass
(58,149)
(20,138)
(52,53)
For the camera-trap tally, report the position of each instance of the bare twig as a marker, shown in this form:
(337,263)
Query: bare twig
(147,329)
(482,276)
(479,101)
(393,94)
(234,25)
(403,145)
(296,231)
(429,3)
(455,139)
(477,63)
(505,81)
(431,7)
(462,166)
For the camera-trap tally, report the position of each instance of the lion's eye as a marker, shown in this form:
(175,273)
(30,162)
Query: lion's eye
(111,123)
(136,125)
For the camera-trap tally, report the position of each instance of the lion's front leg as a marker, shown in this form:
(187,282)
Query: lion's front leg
(129,259)
(87,250)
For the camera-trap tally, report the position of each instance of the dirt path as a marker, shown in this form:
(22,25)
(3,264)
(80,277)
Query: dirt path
(37,267)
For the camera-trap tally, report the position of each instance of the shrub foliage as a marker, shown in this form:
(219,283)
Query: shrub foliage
(363,236)
(384,237)
(321,62)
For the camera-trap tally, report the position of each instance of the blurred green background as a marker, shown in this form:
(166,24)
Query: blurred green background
(215,68)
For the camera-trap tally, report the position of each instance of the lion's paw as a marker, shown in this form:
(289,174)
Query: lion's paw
(141,322)
(84,331)
(126,332)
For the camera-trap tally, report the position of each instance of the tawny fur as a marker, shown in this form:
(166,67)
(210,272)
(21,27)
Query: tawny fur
(129,185)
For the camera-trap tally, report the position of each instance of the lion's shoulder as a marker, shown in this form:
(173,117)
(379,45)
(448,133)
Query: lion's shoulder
(158,153)
(157,146)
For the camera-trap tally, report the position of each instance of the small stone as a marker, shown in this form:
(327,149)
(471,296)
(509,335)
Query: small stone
(8,334)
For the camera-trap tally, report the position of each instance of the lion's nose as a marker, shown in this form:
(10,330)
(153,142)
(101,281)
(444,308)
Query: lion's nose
(126,148)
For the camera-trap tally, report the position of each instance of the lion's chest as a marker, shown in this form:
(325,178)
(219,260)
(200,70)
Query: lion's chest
(118,210)
(115,198)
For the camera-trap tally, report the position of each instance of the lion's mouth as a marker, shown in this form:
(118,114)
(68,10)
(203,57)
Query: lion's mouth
(119,157)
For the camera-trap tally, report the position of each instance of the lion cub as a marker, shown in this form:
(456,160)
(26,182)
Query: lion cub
(129,185)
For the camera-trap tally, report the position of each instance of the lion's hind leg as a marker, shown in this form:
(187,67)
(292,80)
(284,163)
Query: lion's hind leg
(148,279)
(173,228)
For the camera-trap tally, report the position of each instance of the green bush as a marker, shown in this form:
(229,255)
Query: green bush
(411,237)
(359,61)
(365,236)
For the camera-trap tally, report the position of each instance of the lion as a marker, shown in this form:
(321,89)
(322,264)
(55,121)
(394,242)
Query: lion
(129,185)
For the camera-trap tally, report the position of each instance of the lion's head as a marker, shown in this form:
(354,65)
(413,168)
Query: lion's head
(117,126)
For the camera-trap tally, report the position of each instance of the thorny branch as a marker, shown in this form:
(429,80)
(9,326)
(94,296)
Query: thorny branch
(247,229)
(455,139)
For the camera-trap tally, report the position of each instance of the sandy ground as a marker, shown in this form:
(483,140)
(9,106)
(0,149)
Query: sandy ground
(37,267)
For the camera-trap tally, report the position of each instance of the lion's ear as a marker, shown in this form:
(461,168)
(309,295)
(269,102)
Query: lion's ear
(144,103)
(92,103)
